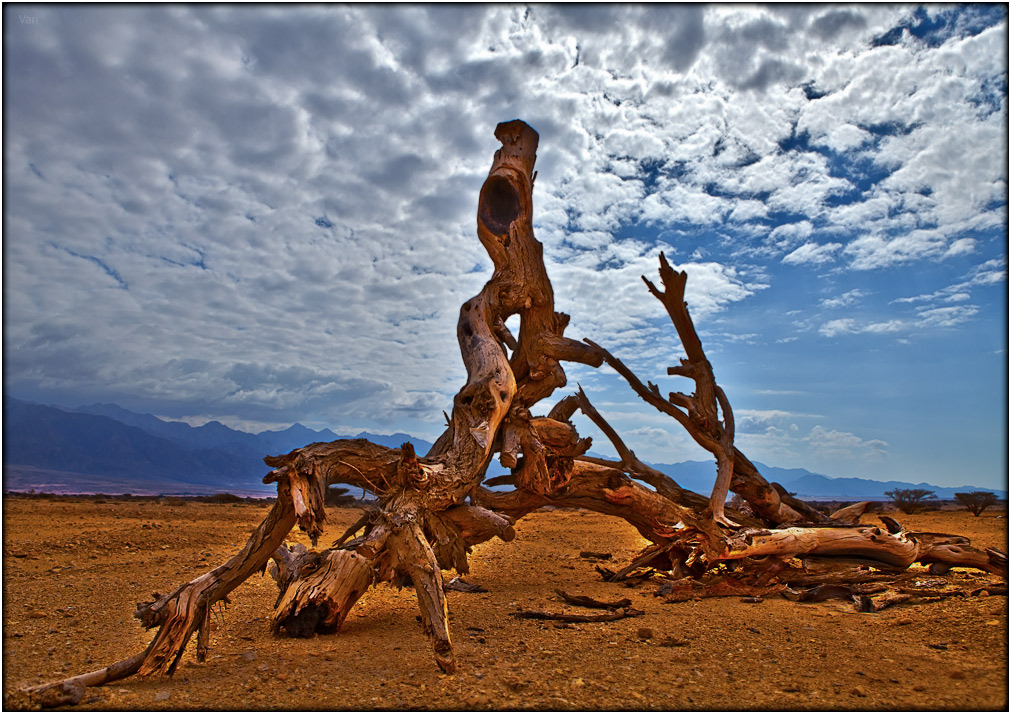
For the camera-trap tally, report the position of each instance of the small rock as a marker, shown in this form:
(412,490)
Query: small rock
(957,674)
(249,655)
(476,700)
(918,688)
(64,694)
(161,696)
(578,682)
(859,692)
(37,614)
(644,633)
(672,642)
(993,622)
(904,621)
(752,600)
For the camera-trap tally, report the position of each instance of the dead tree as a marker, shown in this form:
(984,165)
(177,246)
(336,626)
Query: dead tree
(430,510)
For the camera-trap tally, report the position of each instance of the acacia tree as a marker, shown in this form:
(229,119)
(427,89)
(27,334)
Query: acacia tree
(976,501)
(430,510)
(909,500)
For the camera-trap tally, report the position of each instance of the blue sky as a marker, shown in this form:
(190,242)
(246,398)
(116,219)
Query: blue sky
(266,214)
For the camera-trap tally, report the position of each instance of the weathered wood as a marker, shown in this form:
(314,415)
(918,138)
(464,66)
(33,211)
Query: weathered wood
(68,692)
(686,589)
(577,617)
(586,601)
(414,558)
(661,482)
(862,541)
(318,596)
(851,514)
(182,612)
(462,586)
(745,480)
(186,610)
(957,551)
(422,523)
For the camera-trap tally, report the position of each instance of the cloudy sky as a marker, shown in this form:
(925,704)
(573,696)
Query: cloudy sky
(266,214)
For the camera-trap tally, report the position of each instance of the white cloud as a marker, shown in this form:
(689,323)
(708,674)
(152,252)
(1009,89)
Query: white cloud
(788,235)
(947,316)
(841,444)
(925,317)
(989,273)
(813,253)
(760,420)
(850,326)
(848,298)
(273,208)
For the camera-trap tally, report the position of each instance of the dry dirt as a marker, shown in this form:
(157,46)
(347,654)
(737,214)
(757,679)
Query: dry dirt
(74,570)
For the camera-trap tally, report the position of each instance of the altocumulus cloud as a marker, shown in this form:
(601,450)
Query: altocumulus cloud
(272,208)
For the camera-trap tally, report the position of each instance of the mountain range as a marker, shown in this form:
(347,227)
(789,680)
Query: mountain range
(103,448)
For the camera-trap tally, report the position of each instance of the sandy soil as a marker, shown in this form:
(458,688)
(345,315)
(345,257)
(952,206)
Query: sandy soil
(73,572)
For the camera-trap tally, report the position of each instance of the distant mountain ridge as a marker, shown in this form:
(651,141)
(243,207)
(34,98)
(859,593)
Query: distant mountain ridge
(68,449)
(48,444)
(698,476)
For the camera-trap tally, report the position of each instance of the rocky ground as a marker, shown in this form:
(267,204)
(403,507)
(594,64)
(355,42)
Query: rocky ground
(74,570)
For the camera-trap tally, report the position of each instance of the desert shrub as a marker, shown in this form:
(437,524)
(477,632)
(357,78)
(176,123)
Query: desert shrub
(338,496)
(977,501)
(909,500)
(224,498)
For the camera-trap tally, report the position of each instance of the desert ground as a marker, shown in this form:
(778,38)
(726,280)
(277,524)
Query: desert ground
(74,569)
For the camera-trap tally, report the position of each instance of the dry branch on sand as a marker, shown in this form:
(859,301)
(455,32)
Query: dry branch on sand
(431,510)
